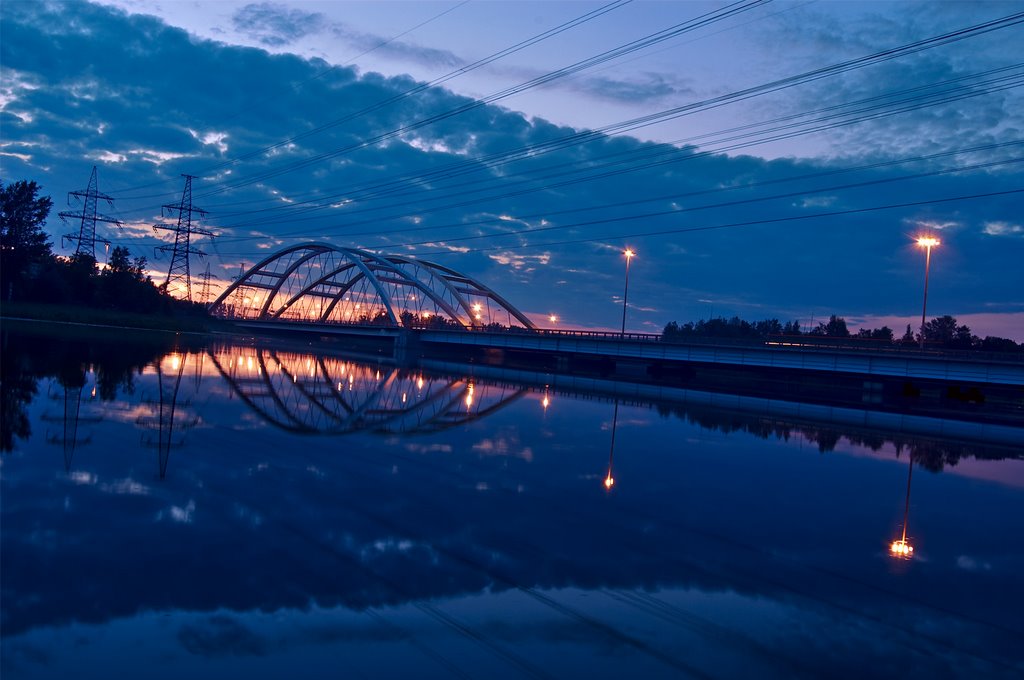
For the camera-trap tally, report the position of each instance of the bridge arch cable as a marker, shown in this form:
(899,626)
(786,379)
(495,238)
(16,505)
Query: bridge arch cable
(320,283)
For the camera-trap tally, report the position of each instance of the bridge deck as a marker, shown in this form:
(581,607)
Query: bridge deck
(960,367)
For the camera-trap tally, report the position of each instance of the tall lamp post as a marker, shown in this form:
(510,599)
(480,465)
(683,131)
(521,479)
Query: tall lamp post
(628,252)
(926,242)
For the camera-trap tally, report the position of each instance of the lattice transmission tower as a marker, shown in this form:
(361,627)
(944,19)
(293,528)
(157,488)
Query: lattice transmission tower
(204,285)
(88,217)
(188,215)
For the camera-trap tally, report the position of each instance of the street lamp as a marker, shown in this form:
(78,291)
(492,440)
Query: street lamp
(625,295)
(926,242)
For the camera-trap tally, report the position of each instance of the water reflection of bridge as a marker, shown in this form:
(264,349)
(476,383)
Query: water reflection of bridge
(314,394)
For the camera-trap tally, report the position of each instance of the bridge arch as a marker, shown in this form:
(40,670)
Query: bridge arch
(317,282)
(316,394)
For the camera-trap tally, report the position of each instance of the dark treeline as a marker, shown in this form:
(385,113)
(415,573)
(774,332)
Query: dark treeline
(30,272)
(29,355)
(941,332)
(933,455)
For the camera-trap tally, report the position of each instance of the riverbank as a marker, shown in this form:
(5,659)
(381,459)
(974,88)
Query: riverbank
(88,316)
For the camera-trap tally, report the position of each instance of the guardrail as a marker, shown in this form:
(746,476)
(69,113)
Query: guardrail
(781,342)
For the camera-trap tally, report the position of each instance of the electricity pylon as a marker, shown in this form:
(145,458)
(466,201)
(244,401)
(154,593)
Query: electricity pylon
(88,217)
(187,213)
(204,286)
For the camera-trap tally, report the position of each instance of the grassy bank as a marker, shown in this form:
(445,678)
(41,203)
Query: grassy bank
(111,317)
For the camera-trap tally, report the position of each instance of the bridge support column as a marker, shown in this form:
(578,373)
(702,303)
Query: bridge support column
(407,347)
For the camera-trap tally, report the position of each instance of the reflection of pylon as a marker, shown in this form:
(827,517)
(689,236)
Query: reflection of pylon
(71,418)
(163,422)
(89,217)
(186,212)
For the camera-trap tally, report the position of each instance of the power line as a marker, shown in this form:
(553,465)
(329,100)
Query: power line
(731,225)
(674,155)
(561,28)
(666,34)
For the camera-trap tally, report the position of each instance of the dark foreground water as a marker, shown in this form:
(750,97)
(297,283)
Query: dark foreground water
(195,511)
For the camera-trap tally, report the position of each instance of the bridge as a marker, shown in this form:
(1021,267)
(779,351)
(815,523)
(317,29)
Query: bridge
(422,308)
(319,283)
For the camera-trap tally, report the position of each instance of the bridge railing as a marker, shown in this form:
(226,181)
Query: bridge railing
(782,342)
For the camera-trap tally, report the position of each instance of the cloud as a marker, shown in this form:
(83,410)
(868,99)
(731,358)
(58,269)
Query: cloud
(276,25)
(930,225)
(221,636)
(642,87)
(1001,228)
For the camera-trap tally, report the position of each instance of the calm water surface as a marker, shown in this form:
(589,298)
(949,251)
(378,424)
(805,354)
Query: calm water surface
(203,511)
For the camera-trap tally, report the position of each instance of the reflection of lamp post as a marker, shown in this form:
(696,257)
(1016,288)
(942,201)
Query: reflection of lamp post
(901,548)
(926,242)
(609,481)
(625,294)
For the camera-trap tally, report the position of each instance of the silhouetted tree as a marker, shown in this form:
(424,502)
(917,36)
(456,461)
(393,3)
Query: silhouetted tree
(945,332)
(24,246)
(994,344)
(835,328)
(884,333)
(908,337)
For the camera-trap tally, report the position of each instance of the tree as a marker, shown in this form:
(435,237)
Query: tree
(944,331)
(835,328)
(24,246)
(908,337)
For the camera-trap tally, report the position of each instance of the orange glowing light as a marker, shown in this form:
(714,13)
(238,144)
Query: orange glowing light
(552,318)
(477,307)
(928,241)
(901,549)
(629,252)
(546,402)
(175,362)
(609,481)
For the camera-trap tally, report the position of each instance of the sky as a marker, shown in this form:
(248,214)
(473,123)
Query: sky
(763,159)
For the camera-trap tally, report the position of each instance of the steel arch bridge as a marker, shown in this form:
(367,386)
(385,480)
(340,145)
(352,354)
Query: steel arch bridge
(320,283)
(313,394)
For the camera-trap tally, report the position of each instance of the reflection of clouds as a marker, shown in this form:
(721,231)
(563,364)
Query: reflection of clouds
(82,477)
(178,514)
(504,445)
(247,514)
(428,448)
(968,563)
(127,487)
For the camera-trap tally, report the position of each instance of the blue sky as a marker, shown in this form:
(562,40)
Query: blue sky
(751,195)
